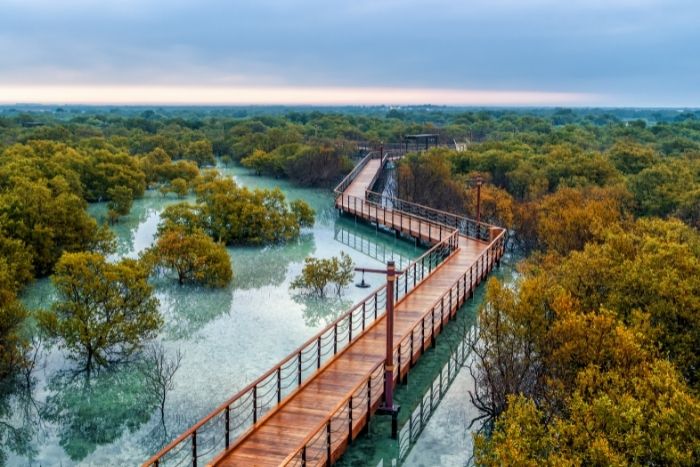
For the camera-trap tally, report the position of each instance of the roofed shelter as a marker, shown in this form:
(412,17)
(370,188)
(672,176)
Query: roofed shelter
(423,140)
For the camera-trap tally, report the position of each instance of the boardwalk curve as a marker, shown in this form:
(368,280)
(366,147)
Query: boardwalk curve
(308,408)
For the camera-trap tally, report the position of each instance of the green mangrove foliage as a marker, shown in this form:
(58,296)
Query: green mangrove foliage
(306,165)
(593,358)
(236,215)
(105,310)
(319,273)
(192,255)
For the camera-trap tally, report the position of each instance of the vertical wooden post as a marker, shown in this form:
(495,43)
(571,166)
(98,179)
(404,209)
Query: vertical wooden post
(389,357)
(364,314)
(350,421)
(255,401)
(478,205)
(194,448)
(299,372)
(228,425)
(329,443)
(279,384)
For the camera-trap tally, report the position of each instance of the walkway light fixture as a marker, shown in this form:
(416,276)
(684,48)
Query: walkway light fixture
(388,407)
(478,181)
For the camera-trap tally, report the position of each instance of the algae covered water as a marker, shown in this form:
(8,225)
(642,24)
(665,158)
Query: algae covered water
(227,337)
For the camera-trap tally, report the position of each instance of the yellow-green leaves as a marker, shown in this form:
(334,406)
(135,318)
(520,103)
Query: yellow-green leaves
(193,256)
(106,310)
(318,273)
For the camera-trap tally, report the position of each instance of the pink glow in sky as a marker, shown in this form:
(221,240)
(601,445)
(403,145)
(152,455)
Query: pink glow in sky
(213,95)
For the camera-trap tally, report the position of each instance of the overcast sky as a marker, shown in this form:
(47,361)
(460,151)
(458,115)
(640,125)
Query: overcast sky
(525,52)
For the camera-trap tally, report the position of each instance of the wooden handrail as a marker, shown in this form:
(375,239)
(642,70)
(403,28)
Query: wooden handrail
(450,241)
(312,434)
(295,354)
(440,300)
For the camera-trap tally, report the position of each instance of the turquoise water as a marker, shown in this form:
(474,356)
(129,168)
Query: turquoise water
(227,338)
(435,409)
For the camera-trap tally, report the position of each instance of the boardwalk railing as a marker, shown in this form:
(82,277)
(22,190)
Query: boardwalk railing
(420,416)
(466,226)
(380,206)
(323,445)
(231,421)
(345,183)
(238,415)
(365,245)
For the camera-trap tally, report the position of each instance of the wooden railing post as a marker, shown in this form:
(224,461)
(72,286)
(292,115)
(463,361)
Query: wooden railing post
(442,312)
(329,442)
(299,362)
(464,288)
(350,420)
(194,448)
(318,356)
(369,400)
(255,401)
(398,376)
(449,311)
(471,281)
(335,339)
(364,315)
(279,384)
(228,425)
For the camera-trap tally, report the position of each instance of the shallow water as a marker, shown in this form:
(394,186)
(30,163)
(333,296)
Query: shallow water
(227,337)
(435,416)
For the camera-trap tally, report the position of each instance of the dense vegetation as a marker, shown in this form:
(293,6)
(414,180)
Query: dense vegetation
(593,358)
(105,311)
(236,215)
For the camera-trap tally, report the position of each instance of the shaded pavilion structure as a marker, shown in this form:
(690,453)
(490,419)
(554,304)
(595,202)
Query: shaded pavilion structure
(420,141)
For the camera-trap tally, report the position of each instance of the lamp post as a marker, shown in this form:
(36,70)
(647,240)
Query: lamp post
(478,181)
(388,407)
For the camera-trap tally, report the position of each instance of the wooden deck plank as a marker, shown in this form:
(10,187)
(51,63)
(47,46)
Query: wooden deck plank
(281,433)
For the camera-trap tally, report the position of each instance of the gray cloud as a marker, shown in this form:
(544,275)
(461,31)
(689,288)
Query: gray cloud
(628,50)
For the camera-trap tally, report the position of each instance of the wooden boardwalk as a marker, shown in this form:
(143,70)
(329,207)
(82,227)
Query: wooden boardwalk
(313,424)
(282,433)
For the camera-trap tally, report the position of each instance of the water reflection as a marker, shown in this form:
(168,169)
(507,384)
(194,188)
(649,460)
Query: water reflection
(375,247)
(188,308)
(228,337)
(136,231)
(319,312)
(263,266)
(96,411)
(19,419)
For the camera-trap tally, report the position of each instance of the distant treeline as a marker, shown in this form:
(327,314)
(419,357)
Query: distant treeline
(571,186)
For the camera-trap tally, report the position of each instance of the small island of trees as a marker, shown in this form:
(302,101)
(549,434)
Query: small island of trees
(590,358)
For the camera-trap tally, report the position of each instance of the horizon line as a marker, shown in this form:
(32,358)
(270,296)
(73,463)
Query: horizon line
(196,95)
